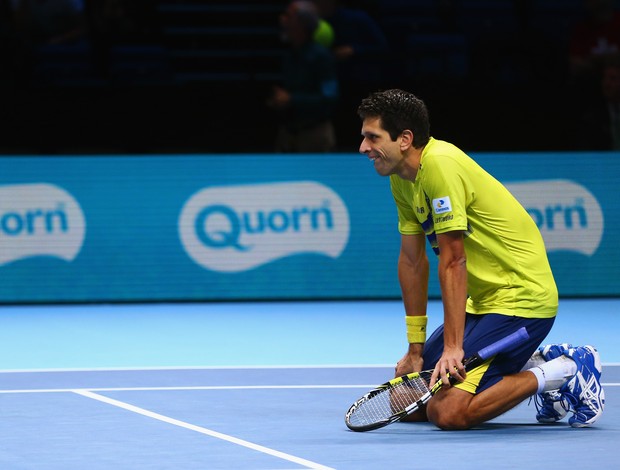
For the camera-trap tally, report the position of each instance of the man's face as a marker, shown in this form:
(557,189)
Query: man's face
(379,147)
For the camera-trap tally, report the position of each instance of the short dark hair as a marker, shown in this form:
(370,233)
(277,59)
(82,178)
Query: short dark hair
(307,15)
(398,110)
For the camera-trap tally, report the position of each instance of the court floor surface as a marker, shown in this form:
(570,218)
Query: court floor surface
(255,386)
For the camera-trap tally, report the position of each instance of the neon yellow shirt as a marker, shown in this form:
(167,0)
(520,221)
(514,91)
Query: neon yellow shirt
(507,267)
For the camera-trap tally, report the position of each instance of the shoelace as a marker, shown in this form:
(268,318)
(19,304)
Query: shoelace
(566,400)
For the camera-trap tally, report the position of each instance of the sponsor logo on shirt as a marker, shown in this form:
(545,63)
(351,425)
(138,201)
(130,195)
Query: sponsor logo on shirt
(441,205)
(444,218)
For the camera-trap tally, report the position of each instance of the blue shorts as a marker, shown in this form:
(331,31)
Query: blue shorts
(482,330)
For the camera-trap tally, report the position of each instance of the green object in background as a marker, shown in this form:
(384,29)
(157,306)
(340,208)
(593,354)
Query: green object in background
(324,34)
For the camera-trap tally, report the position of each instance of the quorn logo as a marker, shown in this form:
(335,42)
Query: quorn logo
(568,215)
(39,220)
(237,228)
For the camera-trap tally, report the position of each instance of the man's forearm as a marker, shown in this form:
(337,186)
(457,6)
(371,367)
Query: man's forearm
(453,281)
(413,279)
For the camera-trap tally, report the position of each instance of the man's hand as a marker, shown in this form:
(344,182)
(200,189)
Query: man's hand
(451,361)
(412,361)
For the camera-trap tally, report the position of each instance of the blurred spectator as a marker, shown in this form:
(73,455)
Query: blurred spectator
(362,53)
(357,38)
(306,100)
(600,124)
(593,39)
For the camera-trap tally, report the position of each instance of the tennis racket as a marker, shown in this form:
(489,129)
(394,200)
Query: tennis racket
(400,397)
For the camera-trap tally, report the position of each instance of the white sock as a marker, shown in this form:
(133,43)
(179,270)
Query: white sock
(534,361)
(553,374)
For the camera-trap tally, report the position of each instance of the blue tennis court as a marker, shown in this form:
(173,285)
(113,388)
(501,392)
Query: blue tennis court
(254,385)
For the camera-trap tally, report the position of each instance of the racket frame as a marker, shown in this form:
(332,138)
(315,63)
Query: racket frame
(480,357)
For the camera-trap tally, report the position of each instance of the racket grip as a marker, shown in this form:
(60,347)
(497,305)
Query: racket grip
(503,344)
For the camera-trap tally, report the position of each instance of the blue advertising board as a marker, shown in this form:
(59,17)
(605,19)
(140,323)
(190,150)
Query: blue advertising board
(237,227)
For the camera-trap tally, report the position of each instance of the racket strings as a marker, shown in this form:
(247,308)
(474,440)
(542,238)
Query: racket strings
(389,402)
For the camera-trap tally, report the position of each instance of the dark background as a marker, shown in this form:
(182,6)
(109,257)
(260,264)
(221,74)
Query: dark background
(165,76)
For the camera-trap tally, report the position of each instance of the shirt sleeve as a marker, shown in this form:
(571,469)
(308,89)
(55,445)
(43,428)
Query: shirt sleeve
(408,224)
(447,193)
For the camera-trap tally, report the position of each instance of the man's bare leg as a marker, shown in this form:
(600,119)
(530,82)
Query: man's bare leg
(453,408)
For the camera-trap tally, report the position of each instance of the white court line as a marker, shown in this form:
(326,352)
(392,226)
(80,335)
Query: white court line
(162,368)
(185,368)
(201,430)
(212,387)
(197,387)
(189,368)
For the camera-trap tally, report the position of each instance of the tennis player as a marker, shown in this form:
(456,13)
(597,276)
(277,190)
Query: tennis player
(493,272)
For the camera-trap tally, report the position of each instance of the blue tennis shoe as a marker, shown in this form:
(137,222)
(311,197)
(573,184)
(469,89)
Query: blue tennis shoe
(552,406)
(584,391)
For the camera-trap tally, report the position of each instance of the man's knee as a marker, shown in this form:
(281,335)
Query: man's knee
(448,409)
(448,421)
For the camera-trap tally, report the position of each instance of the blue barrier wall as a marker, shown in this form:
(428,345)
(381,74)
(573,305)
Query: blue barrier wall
(223,227)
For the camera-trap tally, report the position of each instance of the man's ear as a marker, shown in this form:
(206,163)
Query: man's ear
(406,139)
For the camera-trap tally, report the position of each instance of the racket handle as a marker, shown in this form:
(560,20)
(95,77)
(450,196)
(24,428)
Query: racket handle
(503,344)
